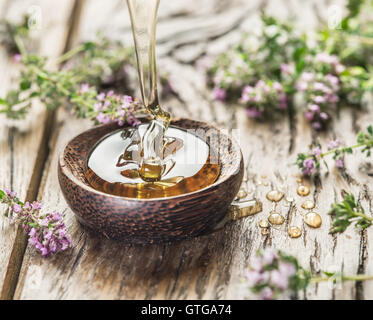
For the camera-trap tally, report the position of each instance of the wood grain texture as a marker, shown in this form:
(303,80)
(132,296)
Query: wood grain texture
(210,266)
(23,144)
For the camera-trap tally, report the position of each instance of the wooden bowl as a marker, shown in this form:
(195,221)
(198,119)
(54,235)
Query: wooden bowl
(148,220)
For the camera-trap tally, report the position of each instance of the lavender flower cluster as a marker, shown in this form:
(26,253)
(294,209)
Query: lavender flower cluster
(47,232)
(259,97)
(310,162)
(320,86)
(108,107)
(272,275)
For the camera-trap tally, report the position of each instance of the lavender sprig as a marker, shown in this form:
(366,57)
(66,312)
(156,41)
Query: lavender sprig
(275,275)
(47,232)
(310,162)
(347,212)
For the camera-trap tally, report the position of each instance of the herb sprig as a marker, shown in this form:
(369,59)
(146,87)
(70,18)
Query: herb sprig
(311,161)
(347,212)
(47,231)
(276,275)
(317,73)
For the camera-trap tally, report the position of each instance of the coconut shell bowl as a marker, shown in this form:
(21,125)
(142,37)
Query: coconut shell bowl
(155,220)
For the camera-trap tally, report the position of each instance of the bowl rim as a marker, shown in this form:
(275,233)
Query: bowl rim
(67,172)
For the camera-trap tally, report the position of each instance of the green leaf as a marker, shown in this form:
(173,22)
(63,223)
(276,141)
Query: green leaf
(25,85)
(370,130)
(3,102)
(2,194)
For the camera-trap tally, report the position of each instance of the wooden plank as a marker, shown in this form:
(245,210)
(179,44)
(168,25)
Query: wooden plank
(23,143)
(209,266)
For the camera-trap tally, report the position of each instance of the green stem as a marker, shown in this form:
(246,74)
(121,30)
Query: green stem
(358,277)
(362,215)
(69,54)
(342,149)
(20,45)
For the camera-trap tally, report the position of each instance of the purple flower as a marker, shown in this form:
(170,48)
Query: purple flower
(219,94)
(286,269)
(307,76)
(269,256)
(286,68)
(324,116)
(253,277)
(319,99)
(256,263)
(32,232)
(267,294)
(332,98)
(84,88)
(103,118)
(314,108)
(97,107)
(101,96)
(302,86)
(11,194)
(56,216)
(17,57)
(326,58)
(319,86)
(253,112)
(333,144)
(339,163)
(339,68)
(309,115)
(316,125)
(27,206)
(308,166)
(279,280)
(316,151)
(36,205)
(17,208)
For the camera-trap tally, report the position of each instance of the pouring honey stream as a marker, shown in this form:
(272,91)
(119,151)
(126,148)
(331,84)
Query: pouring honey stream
(158,160)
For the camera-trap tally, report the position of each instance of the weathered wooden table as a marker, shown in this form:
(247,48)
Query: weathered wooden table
(208,267)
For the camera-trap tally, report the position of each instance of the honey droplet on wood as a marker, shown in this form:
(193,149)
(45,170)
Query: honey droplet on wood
(265,231)
(241,194)
(243,209)
(308,205)
(313,219)
(263,224)
(275,195)
(303,191)
(294,232)
(276,218)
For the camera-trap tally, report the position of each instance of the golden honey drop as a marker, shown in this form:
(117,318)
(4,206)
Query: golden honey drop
(263,224)
(276,218)
(313,219)
(303,191)
(295,232)
(308,205)
(264,231)
(275,195)
(242,194)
